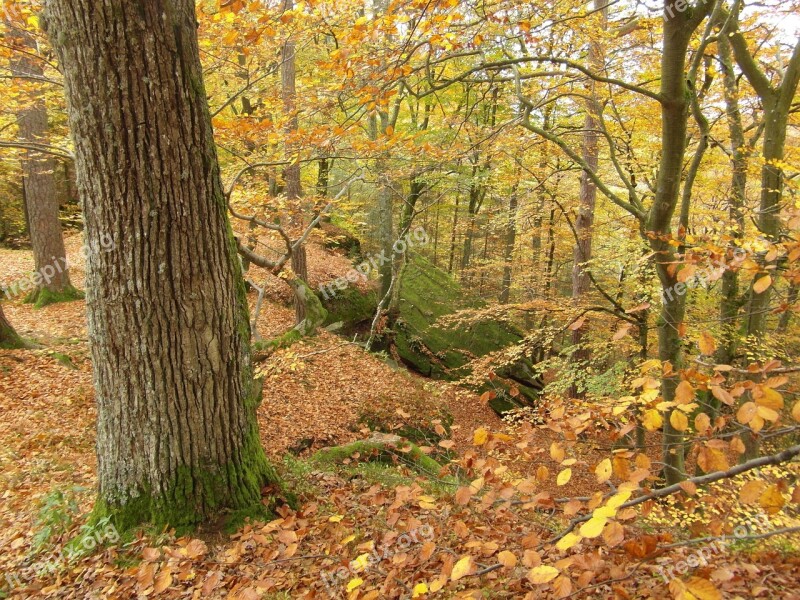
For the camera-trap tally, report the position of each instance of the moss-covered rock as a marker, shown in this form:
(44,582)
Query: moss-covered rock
(415,336)
(352,308)
(428,294)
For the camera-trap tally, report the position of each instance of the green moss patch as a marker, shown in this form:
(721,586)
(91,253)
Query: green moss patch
(42,297)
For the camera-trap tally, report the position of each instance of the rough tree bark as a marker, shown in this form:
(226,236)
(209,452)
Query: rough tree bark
(177,438)
(39,184)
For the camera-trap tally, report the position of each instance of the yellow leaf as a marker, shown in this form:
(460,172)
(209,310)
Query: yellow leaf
(702,589)
(507,559)
(796,411)
(556,452)
(542,574)
(354,583)
(480,437)
(564,476)
(767,413)
(360,562)
(762,285)
(568,541)
(348,539)
(652,420)
(771,399)
(684,393)
(335,518)
(419,589)
(603,471)
(461,568)
(163,581)
(751,491)
(707,344)
(593,527)
(679,421)
(702,423)
(772,500)
(746,412)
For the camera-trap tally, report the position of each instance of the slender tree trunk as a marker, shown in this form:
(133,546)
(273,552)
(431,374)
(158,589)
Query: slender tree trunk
(791,300)
(453,231)
(177,437)
(674,125)
(41,199)
(510,242)
(291,174)
(476,194)
(550,258)
(584,222)
(729,301)
(777,101)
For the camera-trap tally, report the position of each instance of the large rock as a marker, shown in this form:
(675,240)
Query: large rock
(427,294)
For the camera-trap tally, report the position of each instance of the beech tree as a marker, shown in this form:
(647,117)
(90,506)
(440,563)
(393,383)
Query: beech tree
(39,188)
(177,439)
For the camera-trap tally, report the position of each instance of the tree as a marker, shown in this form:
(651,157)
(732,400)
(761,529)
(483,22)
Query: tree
(777,100)
(39,188)
(584,221)
(177,438)
(9,338)
(291,174)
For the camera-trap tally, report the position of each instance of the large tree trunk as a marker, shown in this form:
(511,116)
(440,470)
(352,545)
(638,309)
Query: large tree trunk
(38,172)
(177,438)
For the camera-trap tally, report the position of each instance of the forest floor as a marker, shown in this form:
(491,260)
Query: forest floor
(321,392)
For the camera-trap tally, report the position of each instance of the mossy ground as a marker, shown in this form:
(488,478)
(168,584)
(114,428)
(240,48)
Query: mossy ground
(42,297)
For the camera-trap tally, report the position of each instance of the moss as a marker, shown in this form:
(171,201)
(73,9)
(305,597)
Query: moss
(64,359)
(223,495)
(11,340)
(381,451)
(351,307)
(42,297)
